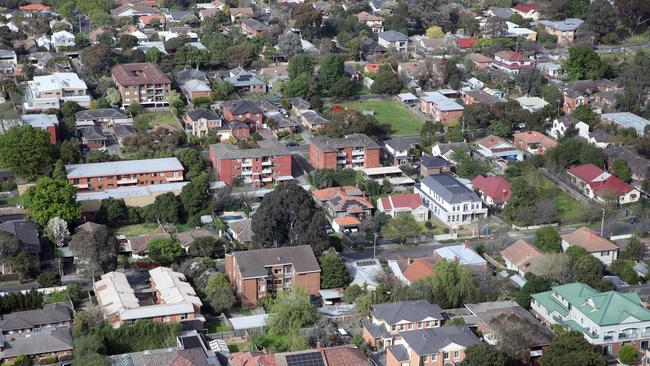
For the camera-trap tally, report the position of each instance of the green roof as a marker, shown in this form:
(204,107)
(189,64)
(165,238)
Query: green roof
(604,308)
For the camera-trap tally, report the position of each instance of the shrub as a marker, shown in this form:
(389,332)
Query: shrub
(49,279)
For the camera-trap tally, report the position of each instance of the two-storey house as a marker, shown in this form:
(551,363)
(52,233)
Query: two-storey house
(49,317)
(268,164)
(345,206)
(639,165)
(244,111)
(374,22)
(142,83)
(393,39)
(497,147)
(563,124)
(50,91)
(450,200)
(199,121)
(594,244)
(257,273)
(431,347)
(606,319)
(564,30)
(441,108)
(511,62)
(399,150)
(352,151)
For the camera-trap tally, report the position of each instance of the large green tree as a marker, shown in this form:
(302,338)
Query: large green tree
(51,198)
(484,354)
(331,70)
(601,17)
(195,196)
(334,273)
(27,151)
(548,239)
(584,63)
(112,212)
(95,248)
(386,82)
(165,250)
(291,311)
(219,293)
(401,228)
(302,63)
(571,349)
(453,284)
(166,208)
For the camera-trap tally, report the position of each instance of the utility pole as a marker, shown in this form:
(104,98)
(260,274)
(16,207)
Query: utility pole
(374,247)
(602,223)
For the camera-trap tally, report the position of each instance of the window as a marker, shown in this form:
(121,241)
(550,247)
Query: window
(602,254)
(277,282)
(456,355)
(445,355)
(434,357)
(261,288)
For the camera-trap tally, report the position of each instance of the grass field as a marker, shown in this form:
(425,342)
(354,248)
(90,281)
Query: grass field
(136,229)
(218,327)
(152,119)
(393,112)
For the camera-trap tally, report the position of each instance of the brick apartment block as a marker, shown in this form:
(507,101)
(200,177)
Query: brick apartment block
(142,83)
(351,151)
(256,273)
(268,164)
(101,176)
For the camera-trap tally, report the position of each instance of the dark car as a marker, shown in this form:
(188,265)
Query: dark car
(634,220)
(292,143)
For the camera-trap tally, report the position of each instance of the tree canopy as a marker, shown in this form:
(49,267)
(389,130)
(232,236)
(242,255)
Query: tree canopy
(571,349)
(27,151)
(52,198)
(334,273)
(164,250)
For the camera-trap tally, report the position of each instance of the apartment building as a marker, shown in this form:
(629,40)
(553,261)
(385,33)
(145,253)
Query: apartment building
(115,174)
(171,297)
(244,111)
(388,320)
(352,151)
(441,108)
(564,30)
(606,319)
(450,200)
(50,91)
(51,316)
(257,273)
(599,247)
(511,62)
(270,163)
(142,83)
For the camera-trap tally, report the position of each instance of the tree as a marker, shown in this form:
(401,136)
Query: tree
(95,249)
(477,115)
(223,90)
(469,167)
(331,70)
(628,354)
(26,151)
(573,151)
(584,113)
(587,269)
(634,250)
(195,196)
(135,109)
(238,55)
(571,349)
(483,354)
(386,82)
(601,17)
(219,293)
(291,311)
(548,239)
(24,264)
(400,228)
(97,58)
(69,152)
(621,170)
(633,14)
(334,273)
(534,284)
(205,246)
(584,63)
(57,231)
(435,32)
(551,94)
(301,63)
(289,44)
(554,266)
(529,81)
(500,128)
(286,227)
(453,285)
(127,41)
(52,198)
(341,88)
(164,250)
(495,27)
(22,360)
(59,172)
(112,212)
(9,247)
(154,55)
(306,18)
(302,85)
(166,208)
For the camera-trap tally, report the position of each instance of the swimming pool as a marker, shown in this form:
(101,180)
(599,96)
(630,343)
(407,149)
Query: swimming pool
(232,217)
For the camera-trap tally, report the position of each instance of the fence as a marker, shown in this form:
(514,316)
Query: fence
(450,236)
(534,227)
(621,237)
(44,290)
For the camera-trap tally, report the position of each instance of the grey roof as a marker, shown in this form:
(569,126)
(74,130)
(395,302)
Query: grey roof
(503,13)
(442,102)
(429,161)
(242,228)
(377,330)
(50,314)
(93,133)
(432,340)
(314,118)
(393,36)
(282,121)
(369,45)
(482,97)
(241,106)
(101,113)
(252,263)
(36,343)
(299,103)
(123,167)
(354,140)
(452,146)
(25,232)
(124,130)
(208,114)
(627,120)
(399,352)
(566,25)
(412,311)
(449,188)
(568,120)
(244,79)
(600,136)
(189,74)
(229,151)
(162,357)
(636,162)
(403,143)
(255,25)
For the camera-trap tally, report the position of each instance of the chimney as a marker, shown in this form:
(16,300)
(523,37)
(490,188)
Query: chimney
(318,347)
(456,259)
(466,244)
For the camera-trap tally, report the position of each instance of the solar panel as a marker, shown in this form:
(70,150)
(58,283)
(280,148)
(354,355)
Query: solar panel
(305,359)
(366,263)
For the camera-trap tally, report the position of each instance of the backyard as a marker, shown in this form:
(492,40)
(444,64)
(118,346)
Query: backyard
(148,120)
(397,115)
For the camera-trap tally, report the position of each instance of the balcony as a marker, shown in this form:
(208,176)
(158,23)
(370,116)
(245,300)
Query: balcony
(246,172)
(127,181)
(358,159)
(342,161)
(267,163)
(358,152)
(267,179)
(174,179)
(267,171)
(628,335)
(247,163)
(340,154)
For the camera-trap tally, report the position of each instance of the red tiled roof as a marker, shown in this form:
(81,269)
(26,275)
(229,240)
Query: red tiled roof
(611,185)
(344,221)
(344,356)
(34,7)
(589,240)
(523,139)
(521,253)
(587,172)
(466,42)
(147,19)
(421,268)
(525,8)
(327,194)
(139,74)
(403,200)
(511,56)
(495,187)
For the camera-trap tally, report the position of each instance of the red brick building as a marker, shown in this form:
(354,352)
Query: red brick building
(352,151)
(245,111)
(256,273)
(142,83)
(115,174)
(268,164)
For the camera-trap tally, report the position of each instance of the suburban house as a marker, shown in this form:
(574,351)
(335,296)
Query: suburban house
(627,120)
(494,190)
(472,96)
(199,121)
(572,99)
(503,321)
(133,11)
(193,83)
(388,320)
(311,120)
(268,164)
(602,186)
(257,273)
(115,174)
(606,319)
(36,345)
(639,166)
(352,151)
(399,150)
(46,122)
(511,62)
(93,137)
(520,255)
(27,235)
(244,111)
(403,203)
(432,346)
(463,254)
(374,22)
(527,11)
(253,27)
(237,14)
(101,117)
(441,108)
(51,316)
(447,149)
(562,124)
(347,355)
(533,142)
(497,147)
(8,63)
(564,30)
(172,298)
(532,104)
(346,206)
(430,165)
(189,349)
(450,200)
(142,83)
(50,91)
(245,82)
(594,244)
(480,61)
(393,39)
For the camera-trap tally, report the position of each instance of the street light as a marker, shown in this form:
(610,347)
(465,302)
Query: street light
(374,246)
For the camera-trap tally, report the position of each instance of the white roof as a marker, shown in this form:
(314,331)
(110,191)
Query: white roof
(40,120)
(151,311)
(248,322)
(57,81)
(365,271)
(114,293)
(383,170)
(123,167)
(407,96)
(443,103)
(172,288)
(133,191)
(465,256)
(532,103)
(627,120)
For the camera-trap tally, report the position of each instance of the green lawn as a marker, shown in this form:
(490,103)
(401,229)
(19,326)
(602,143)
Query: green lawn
(393,112)
(568,209)
(236,347)
(136,229)
(218,327)
(152,119)
(10,201)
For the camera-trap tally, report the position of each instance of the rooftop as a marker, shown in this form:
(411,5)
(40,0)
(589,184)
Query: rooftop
(627,120)
(566,25)
(393,36)
(229,151)
(589,240)
(441,102)
(449,188)
(411,311)
(521,253)
(434,340)
(253,263)
(139,74)
(462,254)
(57,81)
(495,187)
(354,140)
(123,167)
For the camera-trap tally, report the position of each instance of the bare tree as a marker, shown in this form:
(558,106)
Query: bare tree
(554,266)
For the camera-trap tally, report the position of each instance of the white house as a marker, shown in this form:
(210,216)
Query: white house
(520,255)
(49,91)
(562,124)
(394,39)
(495,146)
(403,203)
(63,39)
(450,200)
